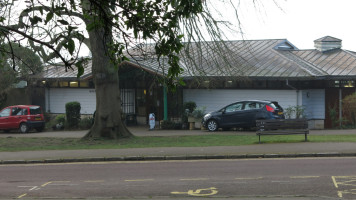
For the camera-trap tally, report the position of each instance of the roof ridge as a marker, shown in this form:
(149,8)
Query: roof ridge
(306,66)
(350,52)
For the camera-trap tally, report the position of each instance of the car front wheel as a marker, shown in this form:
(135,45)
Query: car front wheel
(212,125)
(24,128)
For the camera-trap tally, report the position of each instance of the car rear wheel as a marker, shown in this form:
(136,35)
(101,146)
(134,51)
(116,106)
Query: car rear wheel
(24,128)
(212,125)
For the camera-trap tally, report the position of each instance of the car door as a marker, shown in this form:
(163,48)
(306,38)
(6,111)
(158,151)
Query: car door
(249,112)
(231,116)
(4,118)
(16,117)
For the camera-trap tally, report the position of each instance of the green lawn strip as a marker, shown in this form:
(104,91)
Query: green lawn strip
(28,144)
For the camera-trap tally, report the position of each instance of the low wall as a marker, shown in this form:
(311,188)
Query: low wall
(316,124)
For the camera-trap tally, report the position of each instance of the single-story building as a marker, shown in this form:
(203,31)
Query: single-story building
(274,69)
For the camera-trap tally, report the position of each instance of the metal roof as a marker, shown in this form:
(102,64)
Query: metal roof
(327,39)
(336,62)
(248,58)
(265,59)
(60,73)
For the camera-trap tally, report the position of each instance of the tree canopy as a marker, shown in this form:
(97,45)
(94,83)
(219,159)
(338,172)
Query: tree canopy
(58,30)
(16,63)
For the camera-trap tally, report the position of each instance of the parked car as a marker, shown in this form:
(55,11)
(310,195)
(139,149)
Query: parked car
(242,114)
(22,117)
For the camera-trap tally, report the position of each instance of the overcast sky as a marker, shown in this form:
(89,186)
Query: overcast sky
(300,21)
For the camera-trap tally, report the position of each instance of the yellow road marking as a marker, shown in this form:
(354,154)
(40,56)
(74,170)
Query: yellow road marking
(339,194)
(351,192)
(19,197)
(334,181)
(138,180)
(198,192)
(344,181)
(46,184)
(95,181)
(304,176)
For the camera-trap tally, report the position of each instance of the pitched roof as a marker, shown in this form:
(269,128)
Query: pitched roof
(264,59)
(332,63)
(248,58)
(59,72)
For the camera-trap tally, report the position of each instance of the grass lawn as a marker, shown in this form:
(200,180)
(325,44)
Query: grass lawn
(28,144)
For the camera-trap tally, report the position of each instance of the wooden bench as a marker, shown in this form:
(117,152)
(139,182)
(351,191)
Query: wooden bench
(282,127)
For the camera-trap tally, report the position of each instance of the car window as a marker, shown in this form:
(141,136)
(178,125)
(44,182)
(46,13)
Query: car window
(5,112)
(260,105)
(35,110)
(16,111)
(234,107)
(251,106)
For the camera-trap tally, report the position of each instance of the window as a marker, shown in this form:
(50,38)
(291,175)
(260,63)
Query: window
(53,84)
(253,105)
(73,84)
(35,110)
(5,112)
(16,111)
(84,83)
(63,84)
(234,107)
(250,106)
(230,84)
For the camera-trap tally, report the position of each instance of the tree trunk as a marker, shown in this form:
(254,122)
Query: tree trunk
(107,121)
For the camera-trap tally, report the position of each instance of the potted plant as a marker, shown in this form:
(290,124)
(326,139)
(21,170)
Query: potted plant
(198,115)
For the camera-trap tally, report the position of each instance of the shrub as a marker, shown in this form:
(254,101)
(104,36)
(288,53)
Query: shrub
(334,116)
(73,114)
(60,119)
(86,123)
(198,112)
(349,109)
(190,105)
(188,108)
(169,125)
(296,112)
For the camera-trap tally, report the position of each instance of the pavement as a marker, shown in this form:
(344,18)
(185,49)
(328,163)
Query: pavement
(279,150)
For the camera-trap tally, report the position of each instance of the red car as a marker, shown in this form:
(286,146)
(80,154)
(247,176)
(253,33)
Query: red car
(22,117)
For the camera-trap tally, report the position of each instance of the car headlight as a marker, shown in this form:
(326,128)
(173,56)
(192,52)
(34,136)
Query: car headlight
(207,116)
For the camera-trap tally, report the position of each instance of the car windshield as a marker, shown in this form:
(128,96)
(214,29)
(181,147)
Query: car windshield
(35,110)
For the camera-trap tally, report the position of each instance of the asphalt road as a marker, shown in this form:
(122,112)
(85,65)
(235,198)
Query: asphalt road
(308,178)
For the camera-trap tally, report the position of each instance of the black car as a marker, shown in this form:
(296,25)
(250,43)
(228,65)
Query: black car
(242,114)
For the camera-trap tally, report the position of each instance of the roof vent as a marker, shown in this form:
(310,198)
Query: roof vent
(327,43)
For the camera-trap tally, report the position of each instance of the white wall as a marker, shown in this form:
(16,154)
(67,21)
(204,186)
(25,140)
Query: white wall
(56,98)
(215,99)
(314,103)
